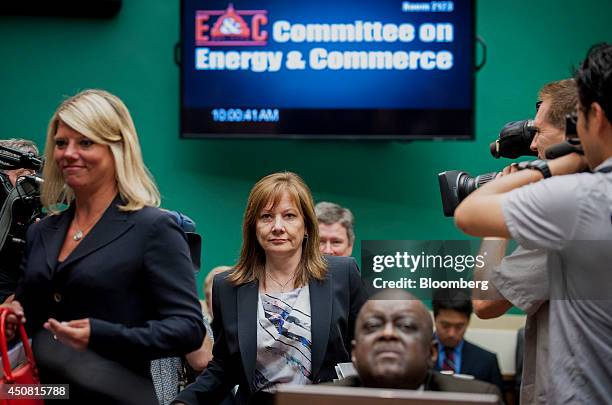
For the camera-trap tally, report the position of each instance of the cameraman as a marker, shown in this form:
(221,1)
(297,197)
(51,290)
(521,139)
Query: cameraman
(22,145)
(10,258)
(568,216)
(521,279)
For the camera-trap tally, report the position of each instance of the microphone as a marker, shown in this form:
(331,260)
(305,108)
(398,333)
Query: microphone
(562,149)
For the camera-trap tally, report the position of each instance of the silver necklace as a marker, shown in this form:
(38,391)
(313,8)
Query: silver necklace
(80,233)
(282,286)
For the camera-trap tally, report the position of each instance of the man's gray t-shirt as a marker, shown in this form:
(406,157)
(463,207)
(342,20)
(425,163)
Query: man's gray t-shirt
(522,278)
(571,218)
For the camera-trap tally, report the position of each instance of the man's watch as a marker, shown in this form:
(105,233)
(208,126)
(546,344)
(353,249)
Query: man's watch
(539,165)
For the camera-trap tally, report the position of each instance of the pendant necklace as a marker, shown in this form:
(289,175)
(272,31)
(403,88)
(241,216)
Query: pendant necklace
(282,286)
(80,233)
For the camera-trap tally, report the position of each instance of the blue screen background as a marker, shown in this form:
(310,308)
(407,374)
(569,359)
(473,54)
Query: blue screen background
(352,89)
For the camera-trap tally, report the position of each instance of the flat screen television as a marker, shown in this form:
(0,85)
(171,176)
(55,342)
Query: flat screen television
(359,69)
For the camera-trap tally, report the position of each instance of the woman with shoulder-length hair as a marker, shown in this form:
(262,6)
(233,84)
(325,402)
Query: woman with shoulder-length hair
(111,275)
(285,314)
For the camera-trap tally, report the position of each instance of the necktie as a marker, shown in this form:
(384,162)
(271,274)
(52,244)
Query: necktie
(449,360)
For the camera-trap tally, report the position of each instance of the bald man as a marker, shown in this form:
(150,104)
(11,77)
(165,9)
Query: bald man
(394,348)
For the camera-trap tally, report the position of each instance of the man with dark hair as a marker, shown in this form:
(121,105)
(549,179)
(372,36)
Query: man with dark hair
(336,234)
(521,278)
(452,310)
(569,216)
(393,348)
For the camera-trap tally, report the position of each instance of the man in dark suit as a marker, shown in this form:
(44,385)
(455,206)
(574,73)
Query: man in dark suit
(452,310)
(394,348)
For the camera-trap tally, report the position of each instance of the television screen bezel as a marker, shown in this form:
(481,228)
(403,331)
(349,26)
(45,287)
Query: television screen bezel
(406,114)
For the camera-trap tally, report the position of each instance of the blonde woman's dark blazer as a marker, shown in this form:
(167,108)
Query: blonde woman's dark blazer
(131,276)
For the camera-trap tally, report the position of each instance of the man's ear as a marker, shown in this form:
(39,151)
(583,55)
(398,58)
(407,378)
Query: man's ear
(433,357)
(597,118)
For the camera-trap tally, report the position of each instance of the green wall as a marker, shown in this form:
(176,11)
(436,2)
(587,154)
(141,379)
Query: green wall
(391,187)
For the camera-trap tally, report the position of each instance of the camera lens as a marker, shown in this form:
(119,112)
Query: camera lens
(469,184)
(456,185)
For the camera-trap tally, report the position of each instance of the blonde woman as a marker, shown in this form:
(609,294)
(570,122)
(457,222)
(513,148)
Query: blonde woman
(110,275)
(285,314)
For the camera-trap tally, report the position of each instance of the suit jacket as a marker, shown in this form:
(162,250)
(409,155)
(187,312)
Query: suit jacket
(131,276)
(481,363)
(440,382)
(334,305)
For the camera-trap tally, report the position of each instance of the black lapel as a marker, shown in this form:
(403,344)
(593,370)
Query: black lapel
(111,225)
(321,311)
(247,297)
(466,359)
(53,228)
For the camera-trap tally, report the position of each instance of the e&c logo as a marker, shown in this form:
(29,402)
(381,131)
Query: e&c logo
(230,27)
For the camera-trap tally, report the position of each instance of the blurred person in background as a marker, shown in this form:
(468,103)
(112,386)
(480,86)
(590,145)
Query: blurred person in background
(452,310)
(208,286)
(336,233)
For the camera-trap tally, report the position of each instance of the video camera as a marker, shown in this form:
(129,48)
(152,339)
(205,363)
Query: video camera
(19,204)
(514,141)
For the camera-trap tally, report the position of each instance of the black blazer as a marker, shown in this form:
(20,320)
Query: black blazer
(131,276)
(334,305)
(481,363)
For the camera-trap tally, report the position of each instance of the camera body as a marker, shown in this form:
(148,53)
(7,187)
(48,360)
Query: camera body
(514,141)
(20,208)
(19,204)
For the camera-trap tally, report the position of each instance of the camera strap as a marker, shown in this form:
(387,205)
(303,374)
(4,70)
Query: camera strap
(6,215)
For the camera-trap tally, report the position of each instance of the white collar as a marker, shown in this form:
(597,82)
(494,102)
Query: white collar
(605,163)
